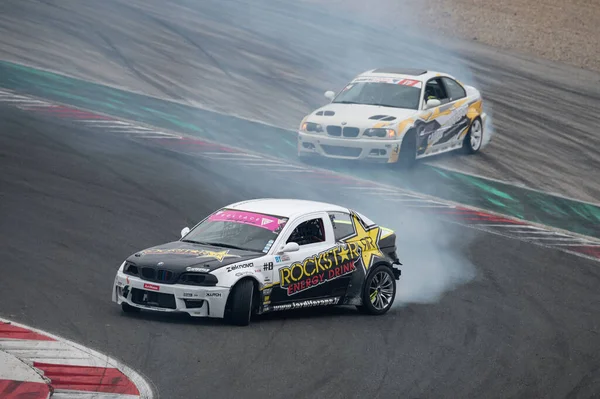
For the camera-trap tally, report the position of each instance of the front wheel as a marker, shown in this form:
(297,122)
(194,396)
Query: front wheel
(407,158)
(474,138)
(241,303)
(127,308)
(379,291)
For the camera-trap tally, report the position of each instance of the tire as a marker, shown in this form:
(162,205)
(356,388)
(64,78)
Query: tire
(241,303)
(475,131)
(306,158)
(407,158)
(380,276)
(127,308)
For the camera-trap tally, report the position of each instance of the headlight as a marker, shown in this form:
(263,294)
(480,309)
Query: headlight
(311,127)
(130,268)
(379,132)
(198,279)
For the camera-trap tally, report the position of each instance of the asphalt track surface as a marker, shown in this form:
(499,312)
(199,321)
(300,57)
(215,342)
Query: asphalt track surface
(75,204)
(272,60)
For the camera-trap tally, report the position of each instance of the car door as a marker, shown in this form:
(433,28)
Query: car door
(296,277)
(456,124)
(447,121)
(429,126)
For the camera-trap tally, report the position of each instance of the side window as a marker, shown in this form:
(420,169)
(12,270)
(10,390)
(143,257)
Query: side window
(434,89)
(309,232)
(455,90)
(342,225)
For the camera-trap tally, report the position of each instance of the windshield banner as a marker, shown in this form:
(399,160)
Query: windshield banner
(256,219)
(377,79)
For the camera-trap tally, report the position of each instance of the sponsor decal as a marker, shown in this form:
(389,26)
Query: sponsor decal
(409,82)
(457,115)
(199,253)
(239,266)
(335,262)
(367,238)
(120,284)
(307,304)
(435,137)
(213,294)
(319,269)
(197,269)
(187,295)
(151,287)
(270,223)
(243,274)
(268,266)
(282,258)
(394,81)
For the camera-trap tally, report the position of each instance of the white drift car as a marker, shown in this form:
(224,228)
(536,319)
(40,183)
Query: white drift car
(395,116)
(262,256)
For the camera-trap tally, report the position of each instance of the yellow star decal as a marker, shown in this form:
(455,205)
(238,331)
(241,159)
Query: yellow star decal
(367,239)
(344,254)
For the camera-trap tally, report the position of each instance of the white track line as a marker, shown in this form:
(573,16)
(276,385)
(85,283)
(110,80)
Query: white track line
(554,238)
(103,122)
(288,170)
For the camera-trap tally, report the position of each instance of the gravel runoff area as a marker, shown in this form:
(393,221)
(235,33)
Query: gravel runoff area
(557,30)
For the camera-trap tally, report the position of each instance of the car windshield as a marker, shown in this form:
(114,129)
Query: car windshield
(236,229)
(396,93)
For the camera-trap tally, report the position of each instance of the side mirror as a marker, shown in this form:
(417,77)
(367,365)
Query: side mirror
(289,247)
(184,231)
(330,94)
(432,103)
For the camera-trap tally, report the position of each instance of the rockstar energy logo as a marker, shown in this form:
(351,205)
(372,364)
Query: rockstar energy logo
(200,253)
(362,245)
(319,269)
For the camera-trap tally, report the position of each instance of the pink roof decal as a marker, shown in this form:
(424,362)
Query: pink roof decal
(256,219)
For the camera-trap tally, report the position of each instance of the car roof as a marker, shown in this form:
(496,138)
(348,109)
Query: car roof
(403,73)
(289,208)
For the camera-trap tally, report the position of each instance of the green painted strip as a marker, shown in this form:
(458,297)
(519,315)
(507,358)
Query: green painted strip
(494,196)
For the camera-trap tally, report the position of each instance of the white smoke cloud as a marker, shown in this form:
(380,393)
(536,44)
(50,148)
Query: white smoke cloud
(432,251)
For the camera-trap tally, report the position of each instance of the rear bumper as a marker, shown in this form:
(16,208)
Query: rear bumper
(371,150)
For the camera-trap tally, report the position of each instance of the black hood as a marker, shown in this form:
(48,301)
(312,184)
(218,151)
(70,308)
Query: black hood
(178,257)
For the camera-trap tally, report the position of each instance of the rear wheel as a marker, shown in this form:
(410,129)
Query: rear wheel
(241,303)
(379,291)
(474,138)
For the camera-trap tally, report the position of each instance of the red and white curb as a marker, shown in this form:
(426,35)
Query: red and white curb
(19,380)
(43,365)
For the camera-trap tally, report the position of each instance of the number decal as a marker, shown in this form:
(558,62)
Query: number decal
(268,266)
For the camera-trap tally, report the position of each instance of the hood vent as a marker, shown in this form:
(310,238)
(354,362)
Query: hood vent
(325,113)
(386,118)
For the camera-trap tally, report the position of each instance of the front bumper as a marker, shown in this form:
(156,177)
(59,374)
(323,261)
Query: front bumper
(197,301)
(373,150)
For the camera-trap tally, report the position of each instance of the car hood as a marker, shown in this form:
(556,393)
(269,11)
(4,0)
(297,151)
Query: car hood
(179,256)
(359,115)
